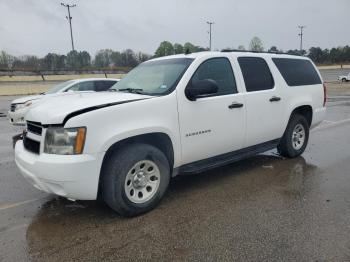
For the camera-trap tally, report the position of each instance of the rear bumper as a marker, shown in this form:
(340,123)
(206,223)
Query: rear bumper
(319,115)
(74,177)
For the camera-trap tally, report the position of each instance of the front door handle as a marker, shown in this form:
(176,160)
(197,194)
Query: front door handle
(235,105)
(275,99)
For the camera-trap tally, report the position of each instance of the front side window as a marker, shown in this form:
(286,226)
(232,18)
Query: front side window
(83,86)
(256,73)
(219,70)
(154,77)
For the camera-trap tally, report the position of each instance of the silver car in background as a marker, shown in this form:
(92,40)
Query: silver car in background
(19,107)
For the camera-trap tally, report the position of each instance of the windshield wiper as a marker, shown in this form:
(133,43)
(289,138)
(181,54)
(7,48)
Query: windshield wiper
(132,90)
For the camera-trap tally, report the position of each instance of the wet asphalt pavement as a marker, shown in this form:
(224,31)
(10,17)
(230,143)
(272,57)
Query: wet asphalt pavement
(264,208)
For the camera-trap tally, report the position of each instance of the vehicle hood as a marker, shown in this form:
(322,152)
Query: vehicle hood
(55,108)
(25,99)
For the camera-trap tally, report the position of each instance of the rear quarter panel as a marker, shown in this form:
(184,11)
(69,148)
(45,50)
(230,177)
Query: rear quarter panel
(296,96)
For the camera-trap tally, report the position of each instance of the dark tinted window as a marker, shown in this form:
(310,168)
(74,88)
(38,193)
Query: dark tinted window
(256,73)
(103,85)
(297,72)
(219,70)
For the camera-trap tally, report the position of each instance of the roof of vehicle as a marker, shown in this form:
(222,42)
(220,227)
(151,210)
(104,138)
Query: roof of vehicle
(231,54)
(94,79)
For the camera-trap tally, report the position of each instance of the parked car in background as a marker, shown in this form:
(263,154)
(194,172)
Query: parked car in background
(172,115)
(344,78)
(19,107)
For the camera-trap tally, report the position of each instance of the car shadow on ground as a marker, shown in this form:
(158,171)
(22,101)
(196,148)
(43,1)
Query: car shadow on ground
(216,201)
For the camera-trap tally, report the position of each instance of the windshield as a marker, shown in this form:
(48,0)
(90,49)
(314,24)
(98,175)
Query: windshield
(59,87)
(154,77)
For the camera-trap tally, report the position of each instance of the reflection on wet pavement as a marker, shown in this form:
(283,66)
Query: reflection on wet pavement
(220,206)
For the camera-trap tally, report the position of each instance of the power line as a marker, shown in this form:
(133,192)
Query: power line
(70,21)
(210,24)
(301,34)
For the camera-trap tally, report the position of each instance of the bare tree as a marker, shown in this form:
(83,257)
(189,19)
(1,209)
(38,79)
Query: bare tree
(256,44)
(241,47)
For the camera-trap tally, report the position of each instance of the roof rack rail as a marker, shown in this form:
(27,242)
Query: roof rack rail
(249,51)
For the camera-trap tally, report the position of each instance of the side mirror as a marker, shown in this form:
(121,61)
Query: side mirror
(201,88)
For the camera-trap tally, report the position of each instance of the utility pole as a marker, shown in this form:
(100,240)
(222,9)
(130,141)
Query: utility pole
(301,27)
(210,24)
(70,21)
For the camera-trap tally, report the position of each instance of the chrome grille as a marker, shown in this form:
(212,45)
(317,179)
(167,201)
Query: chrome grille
(34,127)
(31,145)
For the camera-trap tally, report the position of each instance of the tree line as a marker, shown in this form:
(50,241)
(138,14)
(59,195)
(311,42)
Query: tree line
(335,55)
(74,60)
(124,60)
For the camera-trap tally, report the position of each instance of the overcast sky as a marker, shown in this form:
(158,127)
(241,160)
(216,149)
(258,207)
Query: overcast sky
(39,26)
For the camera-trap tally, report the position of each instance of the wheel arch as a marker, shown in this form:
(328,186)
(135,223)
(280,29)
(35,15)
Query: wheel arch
(159,140)
(304,110)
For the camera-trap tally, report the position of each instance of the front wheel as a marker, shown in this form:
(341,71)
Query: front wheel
(134,179)
(295,138)
(344,80)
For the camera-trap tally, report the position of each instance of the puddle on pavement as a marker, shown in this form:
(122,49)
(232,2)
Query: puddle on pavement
(219,206)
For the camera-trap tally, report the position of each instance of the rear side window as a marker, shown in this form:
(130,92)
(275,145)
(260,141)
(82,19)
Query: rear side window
(297,72)
(219,70)
(256,73)
(103,85)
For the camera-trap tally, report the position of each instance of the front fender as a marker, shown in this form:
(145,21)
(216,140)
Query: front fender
(144,131)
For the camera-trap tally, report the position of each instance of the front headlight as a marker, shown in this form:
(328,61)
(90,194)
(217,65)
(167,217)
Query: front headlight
(26,104)
(19,106)
(65,141)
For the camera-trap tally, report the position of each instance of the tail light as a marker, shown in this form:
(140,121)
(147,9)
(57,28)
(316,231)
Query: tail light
(324,94)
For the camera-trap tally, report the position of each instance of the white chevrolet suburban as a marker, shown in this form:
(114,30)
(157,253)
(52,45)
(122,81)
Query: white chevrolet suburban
(172,115)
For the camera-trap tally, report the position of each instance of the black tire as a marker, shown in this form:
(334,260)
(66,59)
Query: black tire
(344,80)
(114,173)
(285,147)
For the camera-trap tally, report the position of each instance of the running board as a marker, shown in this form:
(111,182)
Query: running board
(221,160)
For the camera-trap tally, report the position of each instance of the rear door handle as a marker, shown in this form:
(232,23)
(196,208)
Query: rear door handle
(235,105)
(275,99)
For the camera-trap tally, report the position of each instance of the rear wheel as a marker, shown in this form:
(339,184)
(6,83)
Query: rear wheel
(135,178)
(295,138)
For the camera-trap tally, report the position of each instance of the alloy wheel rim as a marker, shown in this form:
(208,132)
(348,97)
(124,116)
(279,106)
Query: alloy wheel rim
(142,181)
(298,137)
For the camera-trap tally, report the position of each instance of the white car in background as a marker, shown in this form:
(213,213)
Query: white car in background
(19,107)
(344,78)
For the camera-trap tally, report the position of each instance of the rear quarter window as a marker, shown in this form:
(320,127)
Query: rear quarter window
(103,85)
(297,72)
